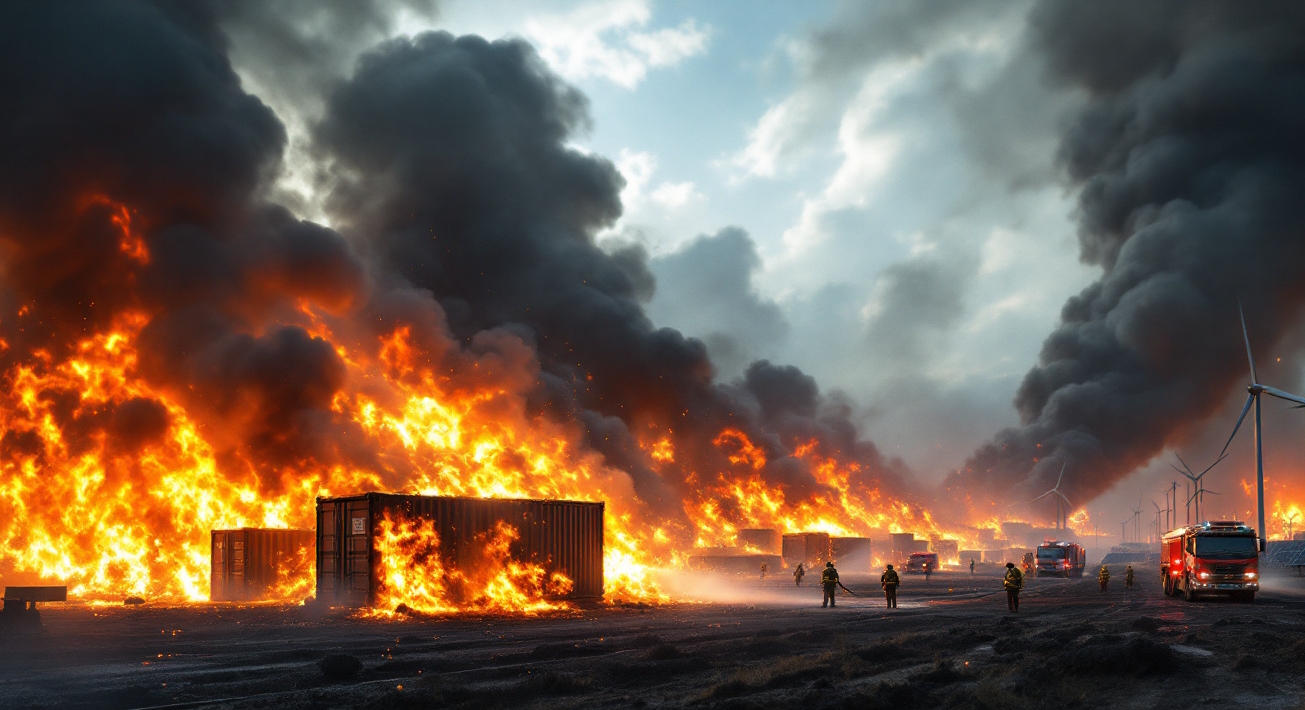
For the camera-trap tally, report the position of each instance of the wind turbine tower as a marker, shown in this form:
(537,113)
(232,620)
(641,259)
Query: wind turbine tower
(1255,389)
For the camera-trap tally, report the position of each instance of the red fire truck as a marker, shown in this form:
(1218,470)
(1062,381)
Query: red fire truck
(919,561)
(1217,557)
(1061,559)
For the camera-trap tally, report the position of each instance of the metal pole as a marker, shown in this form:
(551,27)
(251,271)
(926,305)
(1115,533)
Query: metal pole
(1259,470)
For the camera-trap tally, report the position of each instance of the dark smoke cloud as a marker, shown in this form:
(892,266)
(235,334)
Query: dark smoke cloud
(1188,155)
(133,106)
(455,176)
(706,288)
(470,225)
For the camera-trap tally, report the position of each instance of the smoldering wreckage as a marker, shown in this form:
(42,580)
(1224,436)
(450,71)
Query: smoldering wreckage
(519,479)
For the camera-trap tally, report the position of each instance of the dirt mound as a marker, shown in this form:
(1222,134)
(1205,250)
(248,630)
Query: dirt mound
(1111,655)
(340,666)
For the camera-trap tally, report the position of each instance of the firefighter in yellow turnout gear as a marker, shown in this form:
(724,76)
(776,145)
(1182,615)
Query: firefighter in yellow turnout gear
(1013,583)
(829,580)
(1104,578)
(889,580)
(1128,577)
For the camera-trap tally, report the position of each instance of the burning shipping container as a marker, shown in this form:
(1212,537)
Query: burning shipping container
(250,564)
(560,537)
(766,541)
(851,554)
(732,560)
(809,548)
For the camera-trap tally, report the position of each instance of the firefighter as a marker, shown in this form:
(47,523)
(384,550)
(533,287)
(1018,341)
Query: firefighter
(1104,578)
(1128,577)
(763,572)
(829,580)
(799,573)
(889,581)
(1013,583)
(928,570)
(971,566)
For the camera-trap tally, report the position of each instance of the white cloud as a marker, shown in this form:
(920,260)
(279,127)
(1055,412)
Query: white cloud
(637,198)
(607,40)
(673,195)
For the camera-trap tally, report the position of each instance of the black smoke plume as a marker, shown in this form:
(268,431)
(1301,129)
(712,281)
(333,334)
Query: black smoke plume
(135,174)
(1190,162)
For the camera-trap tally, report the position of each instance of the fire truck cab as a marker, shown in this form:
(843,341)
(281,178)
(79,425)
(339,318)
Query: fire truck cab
(1061,559)
(1214,557)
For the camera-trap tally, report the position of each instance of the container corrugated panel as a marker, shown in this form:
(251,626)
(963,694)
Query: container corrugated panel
(809,548)
(851,554)
(561,536)
(247,563)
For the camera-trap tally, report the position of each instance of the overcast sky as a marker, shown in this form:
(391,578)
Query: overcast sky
(869,191)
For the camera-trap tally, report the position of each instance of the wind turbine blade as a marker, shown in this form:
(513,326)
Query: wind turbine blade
(1250,358)
(1184,463)
(1207,490)
(1245,408)
(1062,469)
(1157,506)
(1216,463)
(1062,497)
(1184,473)
(1044,495)
(1284,395)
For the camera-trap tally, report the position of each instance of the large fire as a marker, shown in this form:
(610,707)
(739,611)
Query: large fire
(416,577)
(111,482)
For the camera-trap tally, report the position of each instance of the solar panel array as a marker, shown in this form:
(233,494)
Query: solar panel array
(1284,553)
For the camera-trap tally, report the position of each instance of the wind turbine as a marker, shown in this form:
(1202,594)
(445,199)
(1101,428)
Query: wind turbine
(1195,478)
(1291,519)
(1255,389)
(1059,498)
(1137,521)
(1158,512)
(1123,530)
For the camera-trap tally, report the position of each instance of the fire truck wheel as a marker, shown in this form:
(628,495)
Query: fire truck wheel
(1168,587)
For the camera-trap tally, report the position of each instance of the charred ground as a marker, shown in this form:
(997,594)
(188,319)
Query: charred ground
(951,644)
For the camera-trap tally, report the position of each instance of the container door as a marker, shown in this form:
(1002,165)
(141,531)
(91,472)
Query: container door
(357,552)
(217,568)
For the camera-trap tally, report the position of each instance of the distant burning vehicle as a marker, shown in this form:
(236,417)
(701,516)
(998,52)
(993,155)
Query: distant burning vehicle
(1219,557)
(920,561)
(1060,559)
(440,554)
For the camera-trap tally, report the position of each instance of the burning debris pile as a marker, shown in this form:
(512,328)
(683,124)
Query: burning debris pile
(182,354)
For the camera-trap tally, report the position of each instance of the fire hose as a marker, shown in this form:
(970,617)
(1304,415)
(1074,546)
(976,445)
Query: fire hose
(846,589)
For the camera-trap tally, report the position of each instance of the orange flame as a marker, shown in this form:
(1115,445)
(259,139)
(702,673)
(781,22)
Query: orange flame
(414,574)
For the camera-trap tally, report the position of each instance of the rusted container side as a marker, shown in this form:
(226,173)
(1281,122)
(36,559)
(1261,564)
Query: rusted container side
(851,554)
(561,536)
(809,548)
(248,563)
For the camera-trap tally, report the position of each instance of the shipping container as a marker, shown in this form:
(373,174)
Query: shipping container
(736,563)
(851,554)
(809,548)
(249,563)
(561,536)
(949,551)
(764,541)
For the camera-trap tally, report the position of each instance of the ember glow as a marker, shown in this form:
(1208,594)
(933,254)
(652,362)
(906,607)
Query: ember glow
(414,574)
